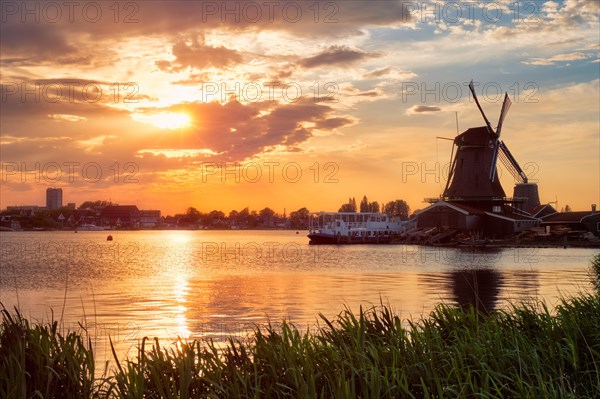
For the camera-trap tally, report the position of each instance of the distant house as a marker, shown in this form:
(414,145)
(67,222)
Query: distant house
(448,215)
(170,222)
(82,216)
(149,218)
(120,215)
(576,221)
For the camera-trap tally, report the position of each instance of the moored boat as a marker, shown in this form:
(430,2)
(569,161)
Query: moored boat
(352,228)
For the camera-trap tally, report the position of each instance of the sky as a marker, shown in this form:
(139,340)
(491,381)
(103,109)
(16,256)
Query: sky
(288,104)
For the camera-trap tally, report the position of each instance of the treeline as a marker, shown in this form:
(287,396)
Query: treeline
(398,208)
(267,217)
(246,218)
(193,218)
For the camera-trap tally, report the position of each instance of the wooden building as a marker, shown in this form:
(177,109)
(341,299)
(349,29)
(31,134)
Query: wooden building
(474,200)
(582,221)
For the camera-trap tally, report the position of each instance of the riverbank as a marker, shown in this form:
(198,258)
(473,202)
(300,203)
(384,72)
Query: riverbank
(513,242)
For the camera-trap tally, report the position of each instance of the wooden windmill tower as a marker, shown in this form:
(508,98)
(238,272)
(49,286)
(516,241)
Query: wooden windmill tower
(473,178)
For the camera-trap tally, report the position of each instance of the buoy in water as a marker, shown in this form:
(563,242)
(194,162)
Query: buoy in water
(109,238)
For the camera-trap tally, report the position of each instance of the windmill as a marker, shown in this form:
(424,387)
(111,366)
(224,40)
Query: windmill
(473,176)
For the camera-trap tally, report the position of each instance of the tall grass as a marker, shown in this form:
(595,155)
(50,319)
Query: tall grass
(525,352)
(37,361)
(595,273)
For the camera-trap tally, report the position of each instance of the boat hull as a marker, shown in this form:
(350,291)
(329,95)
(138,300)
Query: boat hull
(326,239)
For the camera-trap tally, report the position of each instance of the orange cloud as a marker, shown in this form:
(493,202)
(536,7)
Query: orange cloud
(195,53)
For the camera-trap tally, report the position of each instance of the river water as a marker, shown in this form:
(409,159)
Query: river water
(194,284)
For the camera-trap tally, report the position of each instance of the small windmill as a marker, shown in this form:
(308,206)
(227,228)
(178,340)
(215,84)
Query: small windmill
(473,173)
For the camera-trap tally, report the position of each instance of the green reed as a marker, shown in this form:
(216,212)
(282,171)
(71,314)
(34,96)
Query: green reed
(525,352)
(38,361)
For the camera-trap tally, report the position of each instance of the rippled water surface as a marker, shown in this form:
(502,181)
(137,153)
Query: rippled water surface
(215,283)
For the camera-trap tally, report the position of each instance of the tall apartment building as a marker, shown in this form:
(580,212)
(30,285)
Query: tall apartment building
(54,198)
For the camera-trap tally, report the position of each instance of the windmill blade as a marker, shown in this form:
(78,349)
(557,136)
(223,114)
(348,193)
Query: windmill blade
(480,109)
(509,166)
(505,107)
(493,167)
(521,175)
(450,171)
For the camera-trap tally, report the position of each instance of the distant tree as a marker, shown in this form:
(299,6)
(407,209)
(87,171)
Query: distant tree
(267,213)
(374,206)
(253,219)
(243,216)
(265,217)
(232,218)
(364,204)
(349,207)
(299,219)
(397,208)
(217,215)
(43,219)
(567,208)
(212,218)
(192,215)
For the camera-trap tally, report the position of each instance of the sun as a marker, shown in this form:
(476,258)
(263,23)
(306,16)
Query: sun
(165,120)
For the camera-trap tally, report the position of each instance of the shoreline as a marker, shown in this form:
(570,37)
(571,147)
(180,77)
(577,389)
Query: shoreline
(490,244)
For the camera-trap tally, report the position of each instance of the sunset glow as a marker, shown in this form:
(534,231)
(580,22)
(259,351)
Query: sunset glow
(351,94)
(166,120)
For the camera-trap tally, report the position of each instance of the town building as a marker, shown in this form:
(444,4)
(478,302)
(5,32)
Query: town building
(54,198)
(149,219)
(120,216)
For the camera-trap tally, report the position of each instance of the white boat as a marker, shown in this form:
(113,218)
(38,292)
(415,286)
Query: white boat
(352,228)
(90,227)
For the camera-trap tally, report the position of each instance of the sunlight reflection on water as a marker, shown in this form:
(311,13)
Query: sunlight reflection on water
(194,284)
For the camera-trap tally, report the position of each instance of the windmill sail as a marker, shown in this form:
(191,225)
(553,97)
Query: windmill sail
(489,126)
(520,175)
(505,107)
(493,164)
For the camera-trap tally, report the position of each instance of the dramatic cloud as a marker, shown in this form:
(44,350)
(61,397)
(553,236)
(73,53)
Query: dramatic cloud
(59,29)
(195,53)
(36,42)
(337,55)
(231,131)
